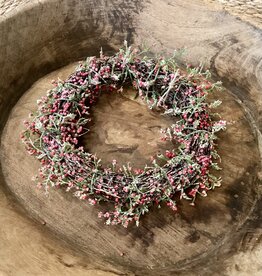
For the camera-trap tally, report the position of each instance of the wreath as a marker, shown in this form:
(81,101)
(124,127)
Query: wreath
(52,135)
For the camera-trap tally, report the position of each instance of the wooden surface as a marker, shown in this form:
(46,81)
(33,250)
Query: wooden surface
(164,239)
(222,234)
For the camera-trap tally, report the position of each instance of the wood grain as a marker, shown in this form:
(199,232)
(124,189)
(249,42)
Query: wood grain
(221,235)
(164,240)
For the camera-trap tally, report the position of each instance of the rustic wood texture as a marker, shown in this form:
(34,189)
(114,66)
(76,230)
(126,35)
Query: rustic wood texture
(222,234)
(164,240)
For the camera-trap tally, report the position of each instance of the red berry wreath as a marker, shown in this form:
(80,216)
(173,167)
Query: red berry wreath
(52,135)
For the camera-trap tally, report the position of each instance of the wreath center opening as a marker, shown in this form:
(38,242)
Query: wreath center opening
(123,128)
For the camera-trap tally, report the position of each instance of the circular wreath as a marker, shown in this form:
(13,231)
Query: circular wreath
(53,132)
